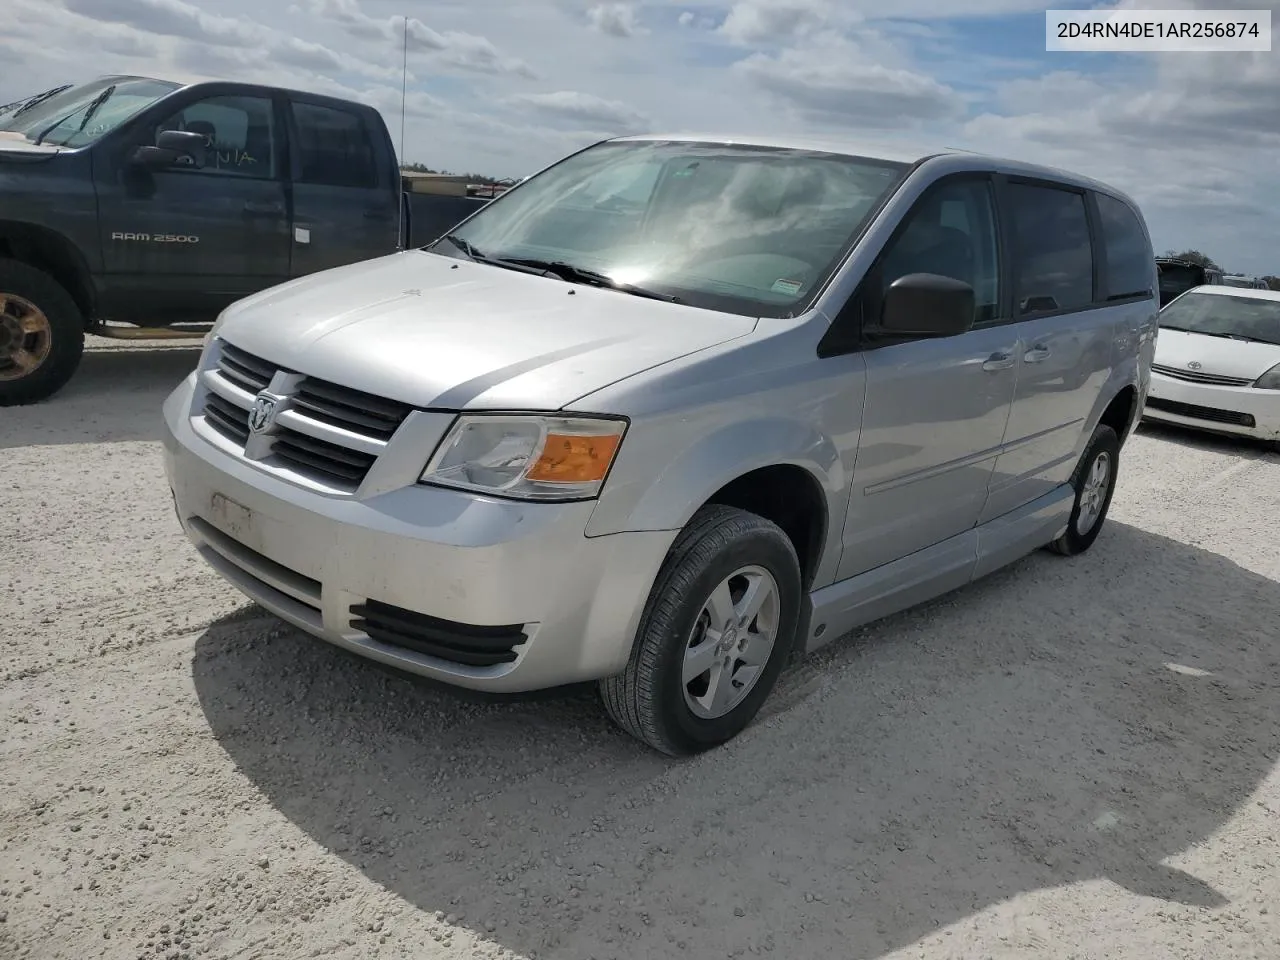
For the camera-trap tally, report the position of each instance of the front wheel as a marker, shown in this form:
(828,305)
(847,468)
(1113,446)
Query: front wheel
(41,334)
(1094,482)
(718,629)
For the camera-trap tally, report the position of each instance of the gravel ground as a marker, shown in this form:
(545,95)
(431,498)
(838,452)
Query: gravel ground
(1071,759)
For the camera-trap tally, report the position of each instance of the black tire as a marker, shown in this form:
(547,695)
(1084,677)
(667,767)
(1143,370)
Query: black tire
(66,340)
(648,698)
(1103,444)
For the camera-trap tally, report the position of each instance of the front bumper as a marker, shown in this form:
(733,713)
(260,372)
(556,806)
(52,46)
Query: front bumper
(465,562)
(1236,411)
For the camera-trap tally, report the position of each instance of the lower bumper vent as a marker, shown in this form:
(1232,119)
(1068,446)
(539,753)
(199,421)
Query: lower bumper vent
(461,643)
(1212,414)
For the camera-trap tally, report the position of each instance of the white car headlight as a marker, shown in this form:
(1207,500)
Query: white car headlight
(527,456)
(1269,380)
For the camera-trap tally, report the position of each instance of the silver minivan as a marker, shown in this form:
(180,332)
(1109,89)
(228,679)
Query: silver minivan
(672,411)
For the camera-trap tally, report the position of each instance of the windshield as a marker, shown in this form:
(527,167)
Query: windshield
(69,118)
(746,230)
(1225,315)
(1237,281)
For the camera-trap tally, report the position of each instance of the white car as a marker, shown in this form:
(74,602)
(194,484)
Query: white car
(1217,364)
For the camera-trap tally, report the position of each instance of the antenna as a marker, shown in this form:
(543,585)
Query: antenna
(404,82)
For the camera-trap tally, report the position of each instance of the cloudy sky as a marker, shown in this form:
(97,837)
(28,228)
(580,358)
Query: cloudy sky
(506,86)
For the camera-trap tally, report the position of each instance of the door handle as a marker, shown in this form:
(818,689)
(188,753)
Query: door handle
(1000,360)
(263,209)
(1037,353)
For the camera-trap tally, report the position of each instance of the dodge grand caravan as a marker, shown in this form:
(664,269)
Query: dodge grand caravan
(672,411)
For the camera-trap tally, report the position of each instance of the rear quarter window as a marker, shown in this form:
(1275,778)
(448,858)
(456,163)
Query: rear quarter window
(335,147)
(1127,254)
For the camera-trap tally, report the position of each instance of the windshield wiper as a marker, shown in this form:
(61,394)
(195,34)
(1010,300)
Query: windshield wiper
(576,274)
(97,102)
(24,105)
(463,245)
(90,109)
(472,253)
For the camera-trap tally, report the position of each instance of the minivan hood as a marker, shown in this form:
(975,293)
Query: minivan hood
(433,331)
(1218,355)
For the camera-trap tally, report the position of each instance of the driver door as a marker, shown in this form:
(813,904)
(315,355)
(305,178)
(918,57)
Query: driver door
(184,242)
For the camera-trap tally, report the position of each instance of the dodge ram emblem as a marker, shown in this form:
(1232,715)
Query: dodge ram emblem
(1194,365)
(263,412)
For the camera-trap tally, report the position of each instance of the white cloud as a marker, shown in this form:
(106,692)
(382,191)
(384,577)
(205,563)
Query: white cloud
(615,19)
(1192,136)
(584,110)
(773,21)
(833,82)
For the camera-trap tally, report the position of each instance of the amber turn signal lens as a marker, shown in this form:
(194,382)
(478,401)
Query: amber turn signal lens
(572,458)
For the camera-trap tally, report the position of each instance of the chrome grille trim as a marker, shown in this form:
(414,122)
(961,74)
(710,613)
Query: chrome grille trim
(1196,376)
(324,432)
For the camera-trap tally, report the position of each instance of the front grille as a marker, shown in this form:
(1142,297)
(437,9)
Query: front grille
(227,418)
(329,461)
(461,643)
(1195,412)
(244,369)
(1196,376)
(350,409)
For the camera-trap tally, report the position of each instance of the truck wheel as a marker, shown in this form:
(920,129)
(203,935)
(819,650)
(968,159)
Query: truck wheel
(718,629)
(1094,482)
(41,334)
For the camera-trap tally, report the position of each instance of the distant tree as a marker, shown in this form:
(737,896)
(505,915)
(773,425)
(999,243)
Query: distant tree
(1195,256)
(1273,282)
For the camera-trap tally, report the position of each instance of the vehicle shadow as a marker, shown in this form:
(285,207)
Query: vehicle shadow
(1061,721)
(115,396)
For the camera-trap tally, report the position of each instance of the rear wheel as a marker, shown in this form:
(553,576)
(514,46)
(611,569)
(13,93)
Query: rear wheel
(1094,482)
(719,627)
(41,334)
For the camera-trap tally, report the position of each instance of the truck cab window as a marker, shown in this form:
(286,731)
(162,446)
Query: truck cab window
(239,132)
(334,149)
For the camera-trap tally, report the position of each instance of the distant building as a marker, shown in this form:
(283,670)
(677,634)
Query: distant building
(440,184)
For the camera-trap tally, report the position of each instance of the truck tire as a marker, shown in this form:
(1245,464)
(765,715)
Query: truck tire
(707,654)
(41,334)
(1094,482)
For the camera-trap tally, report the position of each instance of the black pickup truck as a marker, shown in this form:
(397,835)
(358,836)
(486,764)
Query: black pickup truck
(131,206)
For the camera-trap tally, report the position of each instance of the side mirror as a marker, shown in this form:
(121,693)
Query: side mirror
(927,305)
(174,148)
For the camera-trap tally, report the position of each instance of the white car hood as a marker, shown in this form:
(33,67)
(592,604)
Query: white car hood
(433,331)
(1227,358)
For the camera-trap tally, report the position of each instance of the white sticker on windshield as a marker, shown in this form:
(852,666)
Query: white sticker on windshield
(786,286)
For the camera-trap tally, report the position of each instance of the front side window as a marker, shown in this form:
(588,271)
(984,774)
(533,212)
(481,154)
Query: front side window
(1128,253)
(238,134)
(1052,252)
(951,232)
(79,115)
(1225,315)
(747,230)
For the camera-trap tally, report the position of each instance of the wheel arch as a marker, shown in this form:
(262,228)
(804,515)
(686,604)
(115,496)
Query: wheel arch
(53,253)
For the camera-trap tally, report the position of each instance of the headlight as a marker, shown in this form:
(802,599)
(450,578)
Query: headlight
(1269,380)
(525,456)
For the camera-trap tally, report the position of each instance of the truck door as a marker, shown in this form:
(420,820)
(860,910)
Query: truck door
(346,197)
(182,242)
